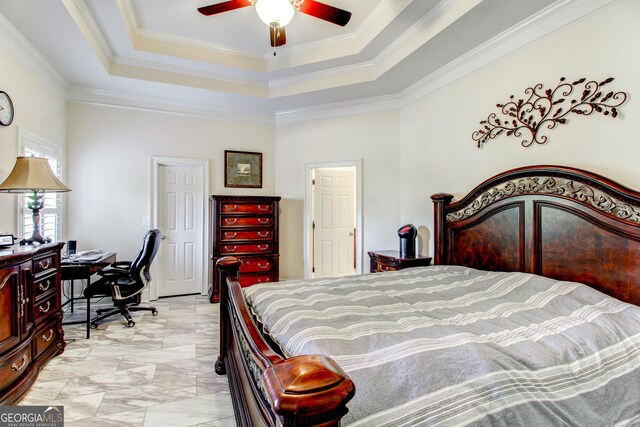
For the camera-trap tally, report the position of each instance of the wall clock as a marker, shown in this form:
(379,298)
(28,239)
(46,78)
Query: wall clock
(6,109)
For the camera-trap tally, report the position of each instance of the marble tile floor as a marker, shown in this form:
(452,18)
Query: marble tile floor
(158,373)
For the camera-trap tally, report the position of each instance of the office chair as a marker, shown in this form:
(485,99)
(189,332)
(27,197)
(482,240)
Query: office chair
(124,282)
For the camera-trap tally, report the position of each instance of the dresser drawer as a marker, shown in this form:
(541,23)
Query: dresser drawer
(45,337)
(230,249)
(43,309)
(230,236)
(43,264)
(254,279)
(44,285)
(264,208)
(246,221)
(253,265)
(15,364)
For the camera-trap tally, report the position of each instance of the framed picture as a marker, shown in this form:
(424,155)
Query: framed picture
(242,169)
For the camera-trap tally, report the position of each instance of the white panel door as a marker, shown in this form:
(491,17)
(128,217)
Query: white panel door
(180,218)
(334,219)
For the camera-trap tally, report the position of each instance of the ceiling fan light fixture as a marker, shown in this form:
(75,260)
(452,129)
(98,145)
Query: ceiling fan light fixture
(275,13)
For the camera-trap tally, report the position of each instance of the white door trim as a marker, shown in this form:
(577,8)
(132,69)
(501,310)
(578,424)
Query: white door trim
(308,213)
(203,164)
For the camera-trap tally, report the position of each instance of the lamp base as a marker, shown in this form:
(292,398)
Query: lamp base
(35,239)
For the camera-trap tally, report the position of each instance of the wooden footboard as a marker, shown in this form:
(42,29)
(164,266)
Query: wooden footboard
(267,389)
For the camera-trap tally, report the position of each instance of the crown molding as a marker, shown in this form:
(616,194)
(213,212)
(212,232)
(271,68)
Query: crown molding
(167,105)
(29,56)
(550,20)
(288,57)
(86,23)
(438,19)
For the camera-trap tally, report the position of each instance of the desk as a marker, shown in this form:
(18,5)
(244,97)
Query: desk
(83,271)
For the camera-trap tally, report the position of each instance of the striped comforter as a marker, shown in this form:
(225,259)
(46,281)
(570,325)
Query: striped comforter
(449,346)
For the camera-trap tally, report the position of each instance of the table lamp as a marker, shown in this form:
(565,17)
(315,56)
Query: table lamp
(33,175)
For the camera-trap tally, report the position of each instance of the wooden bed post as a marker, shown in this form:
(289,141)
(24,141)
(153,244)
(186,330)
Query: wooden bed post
(440,201)
(309,390)
(227,267)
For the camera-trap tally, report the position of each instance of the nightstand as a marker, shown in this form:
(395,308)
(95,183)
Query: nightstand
(391,260)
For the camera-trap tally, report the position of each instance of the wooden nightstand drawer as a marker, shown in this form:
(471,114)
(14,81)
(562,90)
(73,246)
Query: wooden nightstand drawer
(391,260)
(45,285)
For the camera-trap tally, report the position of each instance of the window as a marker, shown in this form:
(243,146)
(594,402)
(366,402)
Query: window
(51,214)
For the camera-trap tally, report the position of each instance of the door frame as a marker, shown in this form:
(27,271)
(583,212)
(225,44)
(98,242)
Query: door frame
(308,212)
(203,164)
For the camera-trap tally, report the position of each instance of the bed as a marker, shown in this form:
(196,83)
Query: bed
(511,261)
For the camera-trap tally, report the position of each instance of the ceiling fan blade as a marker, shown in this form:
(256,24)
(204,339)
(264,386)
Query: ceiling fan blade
(325,12)
(225,6)
(278,36)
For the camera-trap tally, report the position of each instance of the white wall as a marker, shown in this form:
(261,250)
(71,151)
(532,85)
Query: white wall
(110,151)
(370,137)
(427,147)
(438,154)
(40,108)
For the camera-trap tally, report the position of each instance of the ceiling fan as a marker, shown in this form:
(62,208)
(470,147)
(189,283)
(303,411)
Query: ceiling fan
(278,13)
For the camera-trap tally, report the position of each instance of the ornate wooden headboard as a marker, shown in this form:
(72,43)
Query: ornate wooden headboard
(555,221)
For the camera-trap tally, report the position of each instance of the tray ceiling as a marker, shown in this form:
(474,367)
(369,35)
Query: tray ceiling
(166,49)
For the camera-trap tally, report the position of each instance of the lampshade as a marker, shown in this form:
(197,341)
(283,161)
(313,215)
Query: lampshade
(32,174)
(275,13)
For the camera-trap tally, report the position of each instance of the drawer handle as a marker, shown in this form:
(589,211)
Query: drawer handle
(263,234)
(263,248)
(264,267)
(263,208)
(230,221)
(230,235)
(24,363)
(263,220)
(44,288)
(47,339)
(230,248)
(230,207)
(44,264)
(44,310)
(267,280)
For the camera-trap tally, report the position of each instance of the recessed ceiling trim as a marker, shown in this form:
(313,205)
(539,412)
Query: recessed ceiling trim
(158,104)
(182,47)
(176,76)
(350,44)
(438,19)
(310,53)
(89,28)
(548,21)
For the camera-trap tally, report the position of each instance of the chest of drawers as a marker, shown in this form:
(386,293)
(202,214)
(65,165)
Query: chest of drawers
(30,316)
(247,228)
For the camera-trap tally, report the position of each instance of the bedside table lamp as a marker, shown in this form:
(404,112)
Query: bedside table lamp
(33,175)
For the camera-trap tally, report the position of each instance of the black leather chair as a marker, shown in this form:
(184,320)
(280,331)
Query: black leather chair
(124,282)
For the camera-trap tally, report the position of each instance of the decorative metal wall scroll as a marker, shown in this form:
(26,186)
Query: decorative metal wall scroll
(549,108)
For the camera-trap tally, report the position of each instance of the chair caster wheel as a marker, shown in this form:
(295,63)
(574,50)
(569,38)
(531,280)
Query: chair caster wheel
(94,326)
(131,323)
(154,312)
